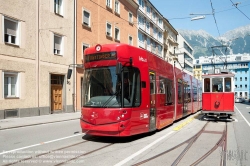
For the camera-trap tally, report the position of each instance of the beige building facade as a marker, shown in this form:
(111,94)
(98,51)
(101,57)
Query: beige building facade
(170,41)
(36,49)
(102,22)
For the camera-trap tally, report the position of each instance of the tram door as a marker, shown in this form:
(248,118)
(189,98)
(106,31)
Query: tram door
(186,99)
(152,120)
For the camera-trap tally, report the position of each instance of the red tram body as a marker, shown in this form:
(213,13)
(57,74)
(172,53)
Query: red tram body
(218,94)
(128,90)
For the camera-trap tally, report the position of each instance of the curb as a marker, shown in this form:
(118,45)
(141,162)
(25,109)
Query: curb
(35,124)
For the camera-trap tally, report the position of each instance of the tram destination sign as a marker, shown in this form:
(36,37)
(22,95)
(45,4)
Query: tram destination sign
(100,56)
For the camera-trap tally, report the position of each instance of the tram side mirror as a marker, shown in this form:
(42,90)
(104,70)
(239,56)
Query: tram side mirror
(118,68)
(69,74)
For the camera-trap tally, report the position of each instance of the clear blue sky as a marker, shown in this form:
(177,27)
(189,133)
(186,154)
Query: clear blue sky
(227,16)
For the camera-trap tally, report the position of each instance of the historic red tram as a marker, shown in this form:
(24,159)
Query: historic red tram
(128,91)
(218,94)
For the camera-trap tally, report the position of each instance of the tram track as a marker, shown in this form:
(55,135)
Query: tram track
(222,142)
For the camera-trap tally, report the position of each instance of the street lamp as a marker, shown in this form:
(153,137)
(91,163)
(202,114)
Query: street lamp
(197,18)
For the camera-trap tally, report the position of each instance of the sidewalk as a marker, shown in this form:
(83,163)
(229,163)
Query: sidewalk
(37,120)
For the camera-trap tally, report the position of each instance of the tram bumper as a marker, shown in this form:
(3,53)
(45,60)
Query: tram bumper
(218,114)
(111,129)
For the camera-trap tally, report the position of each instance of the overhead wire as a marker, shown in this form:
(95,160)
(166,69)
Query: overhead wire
(211,14)
(214,18)
(236,6)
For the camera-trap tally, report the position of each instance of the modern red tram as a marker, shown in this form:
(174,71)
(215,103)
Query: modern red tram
(218,94)
(128,91)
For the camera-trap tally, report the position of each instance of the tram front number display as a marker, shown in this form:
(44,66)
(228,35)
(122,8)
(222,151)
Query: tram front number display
(101,56)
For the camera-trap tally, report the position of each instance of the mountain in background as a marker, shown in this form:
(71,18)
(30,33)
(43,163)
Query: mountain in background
(237,40)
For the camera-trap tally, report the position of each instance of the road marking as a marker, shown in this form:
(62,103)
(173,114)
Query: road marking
(247,107)
(143,149)
(180,126)
(236,120)
(243,116)
(35,125)
(42,143)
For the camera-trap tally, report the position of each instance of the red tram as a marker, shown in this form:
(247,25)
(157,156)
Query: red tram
(128,91)
(218,94)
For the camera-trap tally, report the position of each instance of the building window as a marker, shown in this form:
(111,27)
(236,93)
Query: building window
(84,46)
(245,85)
(141,3)
(11,31)
(58,42)
(245,78)
(235,86)
(11,85)
(58,7)
(148,10)
(130,40)
(130,17)
(240,78)
(240,86)
(86,18)
(235,78)
(109,3)
(117,6)
(109,29)
(117,34)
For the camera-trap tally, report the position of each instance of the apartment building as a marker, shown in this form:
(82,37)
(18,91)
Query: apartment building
(184,52)
(102,22)
(36,48)
(197,71)
(150,28)
(170,41)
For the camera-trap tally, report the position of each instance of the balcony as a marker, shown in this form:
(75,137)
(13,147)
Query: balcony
(148,47)
(141,44)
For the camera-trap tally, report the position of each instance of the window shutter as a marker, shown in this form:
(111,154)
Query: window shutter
(109,29)
(10,27)
(57,42)
(86,18)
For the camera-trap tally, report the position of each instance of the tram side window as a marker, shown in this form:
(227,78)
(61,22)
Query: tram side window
(162,86)
(194,93)
(180,92)
(217,84)
(168,91)
(228,84)
(207,84)
(132,86)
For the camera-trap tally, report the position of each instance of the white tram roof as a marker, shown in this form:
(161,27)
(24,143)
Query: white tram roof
(218,73)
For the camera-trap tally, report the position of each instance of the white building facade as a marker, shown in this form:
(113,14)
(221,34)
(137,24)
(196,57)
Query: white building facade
(184,52)
(237,63)
(150,28)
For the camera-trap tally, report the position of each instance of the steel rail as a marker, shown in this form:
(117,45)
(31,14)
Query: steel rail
(190,140)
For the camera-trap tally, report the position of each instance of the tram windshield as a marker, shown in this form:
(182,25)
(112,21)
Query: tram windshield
(103,88)
(218,84)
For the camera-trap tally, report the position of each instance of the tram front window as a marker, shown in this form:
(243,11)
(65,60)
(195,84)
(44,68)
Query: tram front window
(228,84)
(103,88)
(217,84)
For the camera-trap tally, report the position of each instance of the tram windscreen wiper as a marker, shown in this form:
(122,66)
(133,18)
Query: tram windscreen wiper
(111,97)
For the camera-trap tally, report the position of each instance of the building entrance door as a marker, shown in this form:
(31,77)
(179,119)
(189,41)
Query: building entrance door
(56,93)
